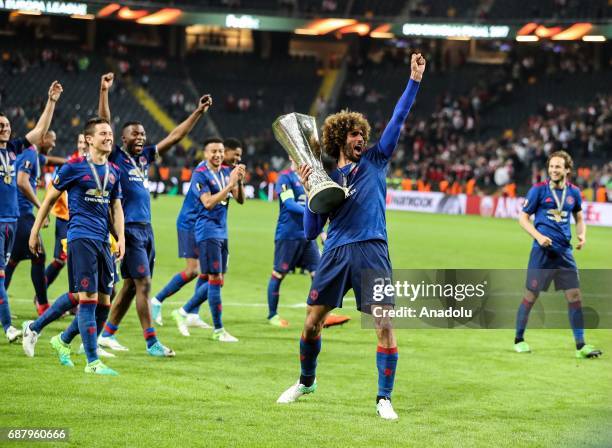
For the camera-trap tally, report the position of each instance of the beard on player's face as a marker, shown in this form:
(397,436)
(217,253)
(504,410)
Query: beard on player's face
(354,147)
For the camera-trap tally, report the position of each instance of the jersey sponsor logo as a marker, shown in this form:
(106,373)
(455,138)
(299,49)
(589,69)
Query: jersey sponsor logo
(135,175)
(555,215)
(91,195)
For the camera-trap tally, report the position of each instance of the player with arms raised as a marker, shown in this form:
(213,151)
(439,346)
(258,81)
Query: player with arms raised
(134,159)
(29,170)
(9,209)
(357,238)
(553,202)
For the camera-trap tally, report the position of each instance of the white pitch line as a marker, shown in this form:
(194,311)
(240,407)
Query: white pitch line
(237,304)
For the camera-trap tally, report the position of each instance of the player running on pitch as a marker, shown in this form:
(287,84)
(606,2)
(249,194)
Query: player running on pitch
(133,159)
(9,209)
(357,239)
(188,248)
(212,184)
(94,202)
(553,203)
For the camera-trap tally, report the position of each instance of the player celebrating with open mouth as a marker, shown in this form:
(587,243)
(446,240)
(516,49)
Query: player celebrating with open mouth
(357,238)
(133,158)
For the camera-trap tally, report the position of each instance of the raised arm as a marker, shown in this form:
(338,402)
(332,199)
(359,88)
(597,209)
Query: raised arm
(34,243)
(42,125)
(390,136)
(106,83)
(186,126)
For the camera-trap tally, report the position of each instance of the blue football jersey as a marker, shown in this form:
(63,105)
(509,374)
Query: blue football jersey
(186,218)
(30,162)
(290,225)
(210,224)
(9,208)
(89,213)
(541,203)
(134,182)
(361,216)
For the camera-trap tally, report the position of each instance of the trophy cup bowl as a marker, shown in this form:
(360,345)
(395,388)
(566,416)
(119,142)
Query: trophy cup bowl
(297,134)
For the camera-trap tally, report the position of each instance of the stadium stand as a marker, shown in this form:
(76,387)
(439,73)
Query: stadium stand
(27,71)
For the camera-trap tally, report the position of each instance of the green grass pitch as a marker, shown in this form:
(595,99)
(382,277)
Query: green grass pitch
(453,387)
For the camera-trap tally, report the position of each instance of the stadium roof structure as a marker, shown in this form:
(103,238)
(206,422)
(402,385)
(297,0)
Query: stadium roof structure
(160,13)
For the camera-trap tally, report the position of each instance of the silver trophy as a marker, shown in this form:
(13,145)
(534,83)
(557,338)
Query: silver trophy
(297,133)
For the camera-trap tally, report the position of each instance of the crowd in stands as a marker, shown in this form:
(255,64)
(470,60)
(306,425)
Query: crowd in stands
(438,151)
(431,158)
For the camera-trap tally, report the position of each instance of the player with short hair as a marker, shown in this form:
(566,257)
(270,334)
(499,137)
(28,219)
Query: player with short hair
(291,248)
(60,211)
(94,202)
(357,239)
(212,184)
(9,209)
(29,170)
(134,159)
(553,202)
(188,249)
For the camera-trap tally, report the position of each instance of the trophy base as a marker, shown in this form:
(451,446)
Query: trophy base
(326,198)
